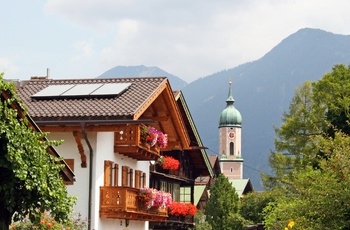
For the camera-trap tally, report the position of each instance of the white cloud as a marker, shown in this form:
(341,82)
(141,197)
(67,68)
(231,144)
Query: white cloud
(7,66)
(195,38)
(84,49)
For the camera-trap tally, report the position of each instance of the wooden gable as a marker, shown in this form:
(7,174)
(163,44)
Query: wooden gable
(163,109)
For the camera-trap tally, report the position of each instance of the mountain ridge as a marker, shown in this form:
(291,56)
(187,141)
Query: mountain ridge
(262,90)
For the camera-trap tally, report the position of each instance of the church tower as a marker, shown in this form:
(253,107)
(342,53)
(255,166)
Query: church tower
(230,159)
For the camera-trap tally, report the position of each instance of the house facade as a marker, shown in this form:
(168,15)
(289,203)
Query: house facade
(101,122)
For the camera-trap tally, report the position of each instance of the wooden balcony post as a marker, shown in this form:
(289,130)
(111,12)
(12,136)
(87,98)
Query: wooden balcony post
(116,174)
(108,173)
(138,179)
(131,176)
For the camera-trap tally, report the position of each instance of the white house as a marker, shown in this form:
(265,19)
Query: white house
(100,121)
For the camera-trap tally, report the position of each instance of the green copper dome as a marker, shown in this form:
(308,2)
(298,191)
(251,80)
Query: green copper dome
(230,116)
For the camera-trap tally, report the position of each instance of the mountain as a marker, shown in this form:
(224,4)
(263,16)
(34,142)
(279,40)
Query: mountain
(143,71)
(262,90)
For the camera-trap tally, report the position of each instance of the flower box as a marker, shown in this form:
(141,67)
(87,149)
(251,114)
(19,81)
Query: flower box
(117,202)
(182,209)
(135,141)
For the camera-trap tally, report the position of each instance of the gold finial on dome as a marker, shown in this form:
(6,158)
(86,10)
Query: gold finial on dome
(230,82)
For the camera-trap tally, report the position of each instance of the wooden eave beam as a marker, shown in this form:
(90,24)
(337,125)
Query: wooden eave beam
(78,136)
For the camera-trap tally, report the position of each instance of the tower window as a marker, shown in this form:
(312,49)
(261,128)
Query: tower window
(232,148)
(231,169)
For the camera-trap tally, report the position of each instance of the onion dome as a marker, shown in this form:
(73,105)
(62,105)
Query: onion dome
(230,116)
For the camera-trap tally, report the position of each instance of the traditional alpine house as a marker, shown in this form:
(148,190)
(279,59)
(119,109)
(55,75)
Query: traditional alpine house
(113,129)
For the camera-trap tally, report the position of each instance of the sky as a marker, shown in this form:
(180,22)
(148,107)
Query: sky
(187,38)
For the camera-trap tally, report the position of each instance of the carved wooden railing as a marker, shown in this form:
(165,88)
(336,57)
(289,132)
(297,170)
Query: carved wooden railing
(121,203)
(127,141)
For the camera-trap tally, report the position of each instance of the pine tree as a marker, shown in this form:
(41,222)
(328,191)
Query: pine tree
(222,208)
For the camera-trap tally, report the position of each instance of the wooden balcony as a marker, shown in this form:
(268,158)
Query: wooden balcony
(121,203)
(127,142)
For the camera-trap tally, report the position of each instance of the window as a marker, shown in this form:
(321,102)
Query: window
(185,194)
(176,192)
(232,149)
(172,188)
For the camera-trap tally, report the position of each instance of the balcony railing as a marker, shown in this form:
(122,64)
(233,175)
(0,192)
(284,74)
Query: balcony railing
(127,141)
(122,203)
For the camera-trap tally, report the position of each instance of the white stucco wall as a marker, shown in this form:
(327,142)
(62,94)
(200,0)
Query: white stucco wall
(103,149)
(69,150)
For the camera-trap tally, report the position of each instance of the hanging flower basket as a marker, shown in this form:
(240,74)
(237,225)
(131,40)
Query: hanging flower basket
(168,162)
(153,137)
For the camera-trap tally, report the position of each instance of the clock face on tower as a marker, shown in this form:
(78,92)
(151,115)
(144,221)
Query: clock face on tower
(231,135)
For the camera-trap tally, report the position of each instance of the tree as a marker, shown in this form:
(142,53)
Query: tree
(317,109)
(311,164)
(223,206)
(317,198)
(333,94)
(29,176)
(253,204)
(294,145)
(201,223)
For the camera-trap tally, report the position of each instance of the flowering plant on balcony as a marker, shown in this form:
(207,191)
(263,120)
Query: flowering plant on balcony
(162,199)
(153,137)
(162,140)
(183,209)
(154,198)
(168,162)
(192,209)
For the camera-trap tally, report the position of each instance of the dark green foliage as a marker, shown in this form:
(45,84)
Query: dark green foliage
(253,204)
(312,161)
(317,198)
(223,206)
(201,223)
(29,176)
(317,109)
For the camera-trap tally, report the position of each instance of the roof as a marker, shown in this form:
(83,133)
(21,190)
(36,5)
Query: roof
(147,100)
(202,180)
(213,159)
(242,186)
(124,106)
(230,116)
(197,149)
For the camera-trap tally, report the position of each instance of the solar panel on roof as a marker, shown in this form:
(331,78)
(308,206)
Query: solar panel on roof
(81,90)
(111,89)
(53,91)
